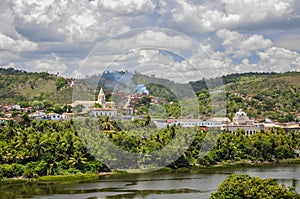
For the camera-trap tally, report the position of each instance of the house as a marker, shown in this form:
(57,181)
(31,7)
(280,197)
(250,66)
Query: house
(195,122)
(270,126)
(68,116)
(38,115)
(111,112)
(291,127)
(53,116)
(16,107)
(249,129)
(6,108)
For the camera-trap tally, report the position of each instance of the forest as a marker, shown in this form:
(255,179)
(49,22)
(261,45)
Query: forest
(40,148)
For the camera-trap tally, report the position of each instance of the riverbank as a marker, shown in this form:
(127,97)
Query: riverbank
(223,165)
(55,178)
(196,168)
(175,184)
(247,163)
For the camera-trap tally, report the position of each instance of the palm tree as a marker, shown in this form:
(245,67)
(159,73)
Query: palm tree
(36,145)
(78,160)
(10,130)
(106,125)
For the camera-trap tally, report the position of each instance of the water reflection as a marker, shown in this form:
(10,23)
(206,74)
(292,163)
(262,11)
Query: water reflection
(196,184)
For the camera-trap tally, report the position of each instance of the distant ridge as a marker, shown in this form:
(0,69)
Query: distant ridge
(260,95)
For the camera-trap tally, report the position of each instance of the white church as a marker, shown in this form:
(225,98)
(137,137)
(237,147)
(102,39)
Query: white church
(107,108)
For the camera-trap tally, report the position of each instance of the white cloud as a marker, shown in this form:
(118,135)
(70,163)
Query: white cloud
(148,38)
(67,21)
(31,30)
(279,60)
(51,66)
(204,16)
(127,6)
(240,45)
(256,10)
(19,45)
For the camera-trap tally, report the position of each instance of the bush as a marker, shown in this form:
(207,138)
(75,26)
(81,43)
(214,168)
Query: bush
(35,169)
(11,170)
(245,186)
(60,82)
(93,166)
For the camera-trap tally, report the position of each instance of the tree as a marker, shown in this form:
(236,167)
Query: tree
(245,186)
(106,124)
(60,82)
(25,119)
(79,108)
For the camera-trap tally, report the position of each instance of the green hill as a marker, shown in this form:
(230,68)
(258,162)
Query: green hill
(276,96)
(260,95)
(21,87)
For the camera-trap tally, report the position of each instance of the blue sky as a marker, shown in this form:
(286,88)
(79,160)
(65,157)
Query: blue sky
(213,38)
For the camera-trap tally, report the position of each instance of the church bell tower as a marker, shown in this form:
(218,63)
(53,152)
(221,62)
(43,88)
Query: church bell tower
(101,98)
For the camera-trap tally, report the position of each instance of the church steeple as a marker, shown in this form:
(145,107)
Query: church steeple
(101,98)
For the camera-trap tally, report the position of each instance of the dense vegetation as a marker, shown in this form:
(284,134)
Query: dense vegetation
(20,87)
(43,148)
(40,148)
(244,186)
(260,95)
(274,96)
(262,146)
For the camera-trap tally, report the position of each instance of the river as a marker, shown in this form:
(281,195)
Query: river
(180,184)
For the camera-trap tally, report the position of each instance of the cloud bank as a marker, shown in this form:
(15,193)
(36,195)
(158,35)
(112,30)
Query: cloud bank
(231,36)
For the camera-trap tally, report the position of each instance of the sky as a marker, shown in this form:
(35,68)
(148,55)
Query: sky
(180,40)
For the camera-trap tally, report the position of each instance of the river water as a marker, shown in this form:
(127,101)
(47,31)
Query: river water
(183,184)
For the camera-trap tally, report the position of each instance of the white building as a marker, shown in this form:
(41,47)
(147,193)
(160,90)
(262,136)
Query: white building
(17,107)
(241,118)
(88,105)
(38,115)
(111,112)
(241,121)
(195,122)
(53,116)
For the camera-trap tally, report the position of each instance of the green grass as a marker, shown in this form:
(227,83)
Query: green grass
(74,177)
(39,85)
(292,79)
(246,163)
(9,181)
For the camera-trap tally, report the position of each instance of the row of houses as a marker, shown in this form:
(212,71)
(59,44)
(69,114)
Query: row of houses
(240,121)
(16,107)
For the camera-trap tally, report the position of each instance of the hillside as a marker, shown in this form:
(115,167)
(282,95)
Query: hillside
(128,82)
(276,96)
(21,87)
(260,95)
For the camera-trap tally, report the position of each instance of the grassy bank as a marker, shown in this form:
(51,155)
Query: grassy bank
(10,181)
(75,177)
(246,163)
(223,165)
(94,176)
(55,178)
